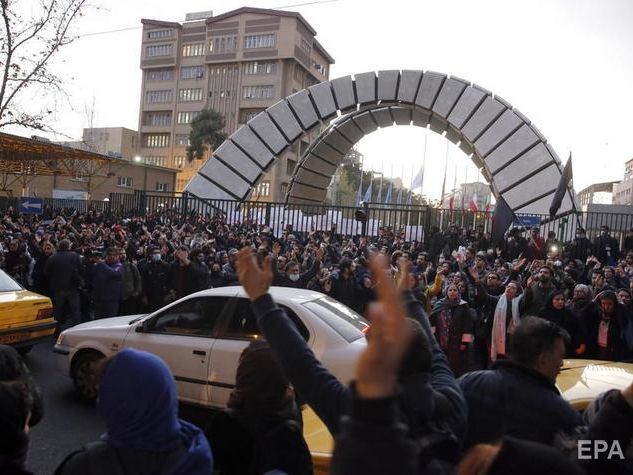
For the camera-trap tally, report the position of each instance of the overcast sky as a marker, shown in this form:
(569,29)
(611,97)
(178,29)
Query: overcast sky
(566,64)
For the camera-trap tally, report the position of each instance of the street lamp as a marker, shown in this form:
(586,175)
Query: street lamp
(137,159)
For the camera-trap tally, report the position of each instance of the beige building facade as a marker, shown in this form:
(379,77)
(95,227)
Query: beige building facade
(124,177)
(238,63)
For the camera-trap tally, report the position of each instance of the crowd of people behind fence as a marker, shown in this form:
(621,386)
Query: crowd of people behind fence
(472,303)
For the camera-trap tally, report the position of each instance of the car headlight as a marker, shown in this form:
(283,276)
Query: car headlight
(60,339)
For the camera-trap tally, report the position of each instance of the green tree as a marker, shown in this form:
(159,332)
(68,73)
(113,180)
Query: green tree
(205,134)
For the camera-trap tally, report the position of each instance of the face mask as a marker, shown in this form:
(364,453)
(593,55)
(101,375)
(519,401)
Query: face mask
(156,257)
(294,277)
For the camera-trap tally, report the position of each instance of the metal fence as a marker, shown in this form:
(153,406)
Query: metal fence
(410,221)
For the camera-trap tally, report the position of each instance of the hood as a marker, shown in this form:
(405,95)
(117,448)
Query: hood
(119,322)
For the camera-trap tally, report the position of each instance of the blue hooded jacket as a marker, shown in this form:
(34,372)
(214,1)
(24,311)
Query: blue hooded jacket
(137,399)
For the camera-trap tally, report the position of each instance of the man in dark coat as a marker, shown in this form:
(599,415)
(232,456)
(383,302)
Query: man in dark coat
(185,275)
(108,285)
(155,277)
(518,397)
(606,248)
(604,328)
(63,271)
(292,277)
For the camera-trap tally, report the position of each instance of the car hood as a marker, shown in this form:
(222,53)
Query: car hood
(580,381)
(114,322)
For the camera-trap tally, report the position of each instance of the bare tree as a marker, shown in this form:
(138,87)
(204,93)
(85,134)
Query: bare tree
(27,44)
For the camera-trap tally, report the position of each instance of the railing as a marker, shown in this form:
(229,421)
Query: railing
(409,221)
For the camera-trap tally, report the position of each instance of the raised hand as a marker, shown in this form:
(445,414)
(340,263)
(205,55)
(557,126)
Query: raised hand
(254,278)
(520,263)
(320,252)
(474,274)
(276,248)
(388,339)
(402,275)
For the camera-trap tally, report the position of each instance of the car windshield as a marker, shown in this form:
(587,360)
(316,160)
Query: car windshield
(342,319)
(7,284)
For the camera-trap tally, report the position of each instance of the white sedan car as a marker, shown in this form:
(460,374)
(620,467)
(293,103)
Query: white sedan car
(201,337)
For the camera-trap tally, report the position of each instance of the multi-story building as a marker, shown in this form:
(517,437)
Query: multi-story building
(623,191)
(238,63)
(116,142)
(598,193)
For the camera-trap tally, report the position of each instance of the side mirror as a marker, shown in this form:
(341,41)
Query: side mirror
(142,328)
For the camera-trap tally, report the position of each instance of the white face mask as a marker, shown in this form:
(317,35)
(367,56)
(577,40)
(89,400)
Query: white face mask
(294,277)
(156,257)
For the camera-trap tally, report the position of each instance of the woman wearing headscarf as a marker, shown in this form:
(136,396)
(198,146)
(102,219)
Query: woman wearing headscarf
(261,431)
(16,405)
(137,400)
(452,324)
(556,312)
(582,298)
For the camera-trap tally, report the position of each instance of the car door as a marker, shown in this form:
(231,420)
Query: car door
(183,335)
(237,329)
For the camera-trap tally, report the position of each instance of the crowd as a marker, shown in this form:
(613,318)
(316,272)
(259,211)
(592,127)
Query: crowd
(464,384)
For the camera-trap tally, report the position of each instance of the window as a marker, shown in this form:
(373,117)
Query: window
(190,95)
(157,119)
(290,166)
(154,34)
(284,189)
(179,162)
(161,186)
(224,44)
(160,75)
(340,318)
(158,50)
(247,115)
(320,68)
(263,189)
(242,324)
(154,160)
(306,46)
(298,74)
(259,67)
(259,41)
(186,118)
(258,92)
(125,181)
(182,139)
(157,140)
(193,317)
(193,49)
(192,72)
(155,97)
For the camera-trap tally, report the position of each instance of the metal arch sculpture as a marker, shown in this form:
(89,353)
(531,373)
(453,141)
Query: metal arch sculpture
(514,156)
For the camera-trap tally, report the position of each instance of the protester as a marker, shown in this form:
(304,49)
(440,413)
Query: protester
(137,400)
(64,276)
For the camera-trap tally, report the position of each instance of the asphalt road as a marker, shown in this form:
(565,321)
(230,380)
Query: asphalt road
(69,422)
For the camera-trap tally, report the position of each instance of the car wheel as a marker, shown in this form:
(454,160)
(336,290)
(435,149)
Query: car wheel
(84,374)
(23,350)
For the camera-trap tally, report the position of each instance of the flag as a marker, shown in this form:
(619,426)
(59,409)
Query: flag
(367,198)
(488,199)
(565,178)
(473,203)
(418,181)
(388,197)
(379,196)
(502,219)
(409,198)
(399,198)
(360,190)
(463,204)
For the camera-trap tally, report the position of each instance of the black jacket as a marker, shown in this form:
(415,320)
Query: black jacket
(511,399)
(63,271)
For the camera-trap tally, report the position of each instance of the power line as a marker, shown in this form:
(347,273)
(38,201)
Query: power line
(130,28)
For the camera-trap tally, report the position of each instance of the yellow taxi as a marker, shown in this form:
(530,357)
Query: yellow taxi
(25,317)
(579,382)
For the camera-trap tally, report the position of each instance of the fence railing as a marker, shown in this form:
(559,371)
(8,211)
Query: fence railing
(410,221)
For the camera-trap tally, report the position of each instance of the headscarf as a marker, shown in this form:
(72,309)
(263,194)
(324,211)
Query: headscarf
(499,327)
(12,368)
(261,387)
(137,399)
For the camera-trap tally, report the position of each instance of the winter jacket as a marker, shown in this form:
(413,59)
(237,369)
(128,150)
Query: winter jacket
(63,271)
(511,399)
